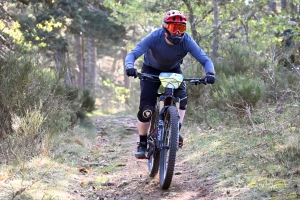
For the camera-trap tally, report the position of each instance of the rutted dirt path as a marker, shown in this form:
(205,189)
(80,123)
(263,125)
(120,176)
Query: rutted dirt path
(96,161)
(129,178)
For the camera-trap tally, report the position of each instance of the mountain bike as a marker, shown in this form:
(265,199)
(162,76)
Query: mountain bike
(163,136)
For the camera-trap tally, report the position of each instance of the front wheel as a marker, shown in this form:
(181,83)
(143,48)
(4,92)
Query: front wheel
(170,146)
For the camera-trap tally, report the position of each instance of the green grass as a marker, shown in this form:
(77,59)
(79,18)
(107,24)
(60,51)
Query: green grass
(57,175)
(262,164)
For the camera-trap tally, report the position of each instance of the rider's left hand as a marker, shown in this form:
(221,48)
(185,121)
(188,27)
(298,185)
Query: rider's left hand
(210,78)
(131,71)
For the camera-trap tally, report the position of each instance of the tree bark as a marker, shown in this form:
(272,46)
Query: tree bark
(283,4)
(77,47)
(92,64)
(216,31)
(69,76)
(58,57)
(192,21)
(273,6)
(127,83)
(82,70)
(294,11)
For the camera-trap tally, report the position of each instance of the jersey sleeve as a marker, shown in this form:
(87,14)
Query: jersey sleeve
(138,50)
(200,56)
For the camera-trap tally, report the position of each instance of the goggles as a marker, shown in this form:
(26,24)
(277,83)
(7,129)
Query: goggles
(174,28)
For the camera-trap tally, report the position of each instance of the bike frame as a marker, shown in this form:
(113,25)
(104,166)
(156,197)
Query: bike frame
(166,99)
(163,143)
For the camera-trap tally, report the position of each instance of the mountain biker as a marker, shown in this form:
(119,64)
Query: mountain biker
(164,50)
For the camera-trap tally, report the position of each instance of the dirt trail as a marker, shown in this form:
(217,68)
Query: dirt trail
(129,179)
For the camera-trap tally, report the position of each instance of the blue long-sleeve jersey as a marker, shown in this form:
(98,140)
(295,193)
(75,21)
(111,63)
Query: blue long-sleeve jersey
(163,56)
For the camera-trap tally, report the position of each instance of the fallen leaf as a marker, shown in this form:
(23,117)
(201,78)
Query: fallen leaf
(78,142)
(84,170)
(89,170)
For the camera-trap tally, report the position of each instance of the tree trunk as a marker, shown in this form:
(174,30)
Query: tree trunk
(77,47)
(58,56)
(192,21)
(126,78)
(60,59)
(283,4)
(294,11)
(216,31)
(114,65)
(92,63)
(68,73)
(82,70)
(272,6)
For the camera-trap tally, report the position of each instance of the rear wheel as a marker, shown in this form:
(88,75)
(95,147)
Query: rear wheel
(153,153)
(170,146)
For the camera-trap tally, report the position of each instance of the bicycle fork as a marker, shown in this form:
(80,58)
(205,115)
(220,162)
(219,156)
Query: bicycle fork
(162,110)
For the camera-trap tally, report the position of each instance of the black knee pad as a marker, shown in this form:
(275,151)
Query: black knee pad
(145,114)
(182,94)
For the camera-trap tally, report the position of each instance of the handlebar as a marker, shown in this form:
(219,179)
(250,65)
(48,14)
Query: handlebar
(152,77)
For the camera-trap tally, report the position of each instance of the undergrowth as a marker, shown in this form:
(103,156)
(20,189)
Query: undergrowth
(249,161)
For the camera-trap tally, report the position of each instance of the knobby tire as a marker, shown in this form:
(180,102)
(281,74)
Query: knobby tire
(170,143)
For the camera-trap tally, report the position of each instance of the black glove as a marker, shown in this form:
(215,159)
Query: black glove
(131,72)
(210,78)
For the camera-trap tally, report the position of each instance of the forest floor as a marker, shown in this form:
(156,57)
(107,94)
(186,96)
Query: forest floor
(127,177)
(96,161)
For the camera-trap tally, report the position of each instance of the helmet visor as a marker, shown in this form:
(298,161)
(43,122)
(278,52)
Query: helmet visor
(174,28)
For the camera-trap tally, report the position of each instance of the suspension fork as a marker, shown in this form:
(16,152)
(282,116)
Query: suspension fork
(160,121)
(164,102)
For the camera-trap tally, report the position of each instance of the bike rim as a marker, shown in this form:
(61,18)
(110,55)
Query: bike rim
(165,151)
(170,145)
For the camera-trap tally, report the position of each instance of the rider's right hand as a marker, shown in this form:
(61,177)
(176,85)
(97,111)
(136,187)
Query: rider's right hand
(131,72)
(210,78)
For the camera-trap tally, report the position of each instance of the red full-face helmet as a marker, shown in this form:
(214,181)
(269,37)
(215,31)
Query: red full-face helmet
(175,21)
